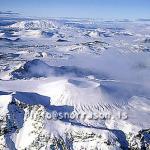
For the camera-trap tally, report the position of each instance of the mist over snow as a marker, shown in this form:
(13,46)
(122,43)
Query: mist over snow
(98,71)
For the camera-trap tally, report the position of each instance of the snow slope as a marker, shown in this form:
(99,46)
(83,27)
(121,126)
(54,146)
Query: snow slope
(74,84)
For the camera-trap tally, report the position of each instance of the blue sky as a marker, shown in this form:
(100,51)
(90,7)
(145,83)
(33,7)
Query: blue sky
(107,9)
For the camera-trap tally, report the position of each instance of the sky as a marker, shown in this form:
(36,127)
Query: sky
(106,9)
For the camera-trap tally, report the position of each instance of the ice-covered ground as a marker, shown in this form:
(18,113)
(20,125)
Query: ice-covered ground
(74,84)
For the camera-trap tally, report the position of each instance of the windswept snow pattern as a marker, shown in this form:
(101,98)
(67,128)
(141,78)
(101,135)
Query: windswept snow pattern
(74,66)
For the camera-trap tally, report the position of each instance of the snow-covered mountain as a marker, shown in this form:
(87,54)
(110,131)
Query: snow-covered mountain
(35,24)
(74,84)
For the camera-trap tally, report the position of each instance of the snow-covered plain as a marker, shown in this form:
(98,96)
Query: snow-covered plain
(98,72)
